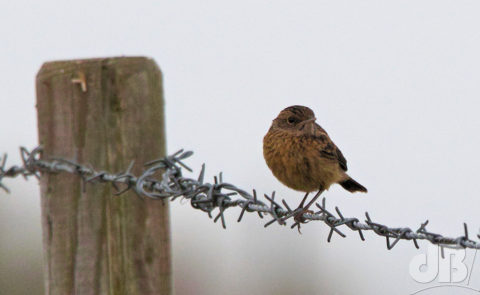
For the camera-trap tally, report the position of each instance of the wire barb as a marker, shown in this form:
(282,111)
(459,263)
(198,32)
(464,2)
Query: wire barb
(170,184)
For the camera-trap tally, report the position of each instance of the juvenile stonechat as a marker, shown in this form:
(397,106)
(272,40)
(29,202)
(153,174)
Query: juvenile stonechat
(303,157)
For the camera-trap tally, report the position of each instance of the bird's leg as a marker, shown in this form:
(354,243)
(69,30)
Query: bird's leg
(303,201)
(299,216)
(314,199)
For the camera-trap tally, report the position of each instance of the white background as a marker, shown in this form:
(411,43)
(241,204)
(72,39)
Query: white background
(395,83)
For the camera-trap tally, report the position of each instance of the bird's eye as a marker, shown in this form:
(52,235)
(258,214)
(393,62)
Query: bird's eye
(291,120)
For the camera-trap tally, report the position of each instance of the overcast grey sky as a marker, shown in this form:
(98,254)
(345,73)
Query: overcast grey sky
(395,83)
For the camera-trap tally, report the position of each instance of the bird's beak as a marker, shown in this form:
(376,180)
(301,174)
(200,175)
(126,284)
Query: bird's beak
(310,120)
(308,125)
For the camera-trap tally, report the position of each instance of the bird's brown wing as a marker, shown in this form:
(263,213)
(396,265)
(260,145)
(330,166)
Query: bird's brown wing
(341,159)
(328,149)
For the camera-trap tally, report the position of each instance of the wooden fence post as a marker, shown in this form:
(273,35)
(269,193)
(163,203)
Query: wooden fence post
(104,112)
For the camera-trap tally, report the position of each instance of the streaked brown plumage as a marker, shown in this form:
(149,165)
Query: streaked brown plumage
(302,156)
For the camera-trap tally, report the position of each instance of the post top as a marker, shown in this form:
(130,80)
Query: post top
(64,66)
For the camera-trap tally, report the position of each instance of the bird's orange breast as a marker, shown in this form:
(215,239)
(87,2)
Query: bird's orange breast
(297,162)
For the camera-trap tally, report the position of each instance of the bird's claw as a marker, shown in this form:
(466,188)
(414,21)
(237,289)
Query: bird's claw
(299,218)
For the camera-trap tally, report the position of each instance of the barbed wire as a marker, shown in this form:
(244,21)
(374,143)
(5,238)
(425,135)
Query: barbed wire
(220,195)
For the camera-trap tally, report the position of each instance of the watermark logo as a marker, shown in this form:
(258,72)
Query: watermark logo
(450,270)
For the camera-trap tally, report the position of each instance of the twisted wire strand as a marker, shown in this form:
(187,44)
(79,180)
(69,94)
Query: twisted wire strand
(219,195)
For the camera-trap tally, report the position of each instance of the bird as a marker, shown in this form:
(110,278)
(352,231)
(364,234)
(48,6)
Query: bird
(301,155)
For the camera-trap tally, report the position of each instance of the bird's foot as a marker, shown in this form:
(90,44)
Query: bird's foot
(299,218)
(301,210)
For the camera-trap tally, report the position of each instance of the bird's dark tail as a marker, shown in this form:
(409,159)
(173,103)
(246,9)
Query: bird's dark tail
(352,186)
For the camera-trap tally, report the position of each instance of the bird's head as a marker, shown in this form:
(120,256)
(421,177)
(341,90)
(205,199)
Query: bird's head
(295,119)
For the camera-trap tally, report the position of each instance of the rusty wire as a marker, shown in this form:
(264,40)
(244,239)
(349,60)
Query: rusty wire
(207,197)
